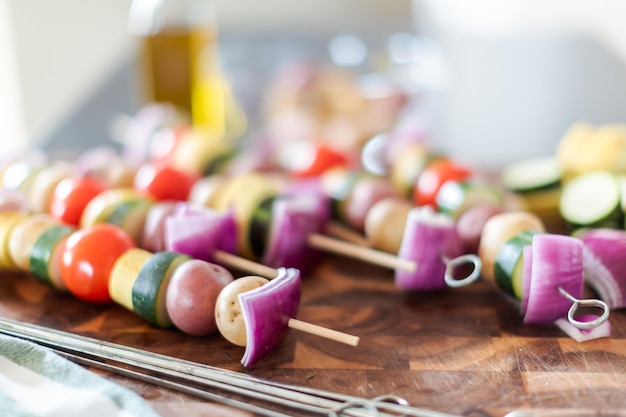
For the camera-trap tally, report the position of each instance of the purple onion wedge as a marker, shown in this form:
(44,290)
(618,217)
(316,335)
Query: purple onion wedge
(429,240)
(557,262)
(267,311)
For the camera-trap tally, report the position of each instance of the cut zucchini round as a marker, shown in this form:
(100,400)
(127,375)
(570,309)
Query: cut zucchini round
(592,200)
(150,288)
(338,183)
(100,208)
(8,220)
(260,226)
(24,235)
(454,197)
(124,274)
(508,268)
(532,174)
(46,253)
(243,195)
(131,216)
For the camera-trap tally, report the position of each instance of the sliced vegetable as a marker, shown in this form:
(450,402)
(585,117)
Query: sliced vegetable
(25,234)
(19,174)
(8,220)
(201,151)
(455,197)
(46,255)
(44,185)
(500,228)
(192,296)
(149,293)
(124,274)
(243,195)
(337,183)
(557,263)
(260,224)
(153,237)
(100,208)
(294,219)
(205,189)
(593,199)
(199,232)
(429,239)
(532,174)
(131,216)
(584,335)
(266,311)
(527,273)
(605,264)
(509,265)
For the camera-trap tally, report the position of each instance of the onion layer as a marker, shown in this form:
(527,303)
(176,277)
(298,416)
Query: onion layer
(605,264)
(584,335)
(199,232)
(557,262)
(267,311)
(294,219)
(429,239)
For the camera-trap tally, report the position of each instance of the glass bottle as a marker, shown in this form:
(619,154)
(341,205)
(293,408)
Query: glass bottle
(179,57)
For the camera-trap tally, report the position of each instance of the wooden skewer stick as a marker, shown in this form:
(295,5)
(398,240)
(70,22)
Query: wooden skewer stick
(366,254)
(340,231)
(324,332)
(243,264)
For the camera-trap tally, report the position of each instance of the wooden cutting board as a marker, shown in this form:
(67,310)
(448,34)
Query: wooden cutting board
(463,351)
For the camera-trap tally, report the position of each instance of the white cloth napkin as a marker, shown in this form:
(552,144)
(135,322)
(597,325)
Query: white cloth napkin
(36,382)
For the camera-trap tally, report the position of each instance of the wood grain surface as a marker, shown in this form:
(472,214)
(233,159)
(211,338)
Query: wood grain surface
(462,351)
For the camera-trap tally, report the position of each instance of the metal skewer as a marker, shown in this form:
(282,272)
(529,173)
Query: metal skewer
(188,377)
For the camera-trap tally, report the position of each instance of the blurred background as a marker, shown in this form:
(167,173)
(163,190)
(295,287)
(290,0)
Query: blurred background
(493,80)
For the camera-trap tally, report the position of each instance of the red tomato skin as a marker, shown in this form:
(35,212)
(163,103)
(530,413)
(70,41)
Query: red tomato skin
(164,182)
(433,177)
(324,159)
(88,259)
(71,196)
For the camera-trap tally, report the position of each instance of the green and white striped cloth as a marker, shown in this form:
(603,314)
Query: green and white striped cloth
(36,382)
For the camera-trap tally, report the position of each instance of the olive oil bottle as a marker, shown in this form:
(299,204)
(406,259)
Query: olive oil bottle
(179,58)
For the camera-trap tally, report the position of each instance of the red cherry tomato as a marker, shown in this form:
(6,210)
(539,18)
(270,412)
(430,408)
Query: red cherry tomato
(88,259)
(164,182)
(433,177)
(324,157)
(70,197)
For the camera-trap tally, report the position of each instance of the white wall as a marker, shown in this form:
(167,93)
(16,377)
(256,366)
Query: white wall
(601,19)
(523,71)
(63,48)
(12,127)
(56,52)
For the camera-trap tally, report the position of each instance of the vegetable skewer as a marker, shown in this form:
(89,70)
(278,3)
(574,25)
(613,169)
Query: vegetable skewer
(542,271)
(145,283)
